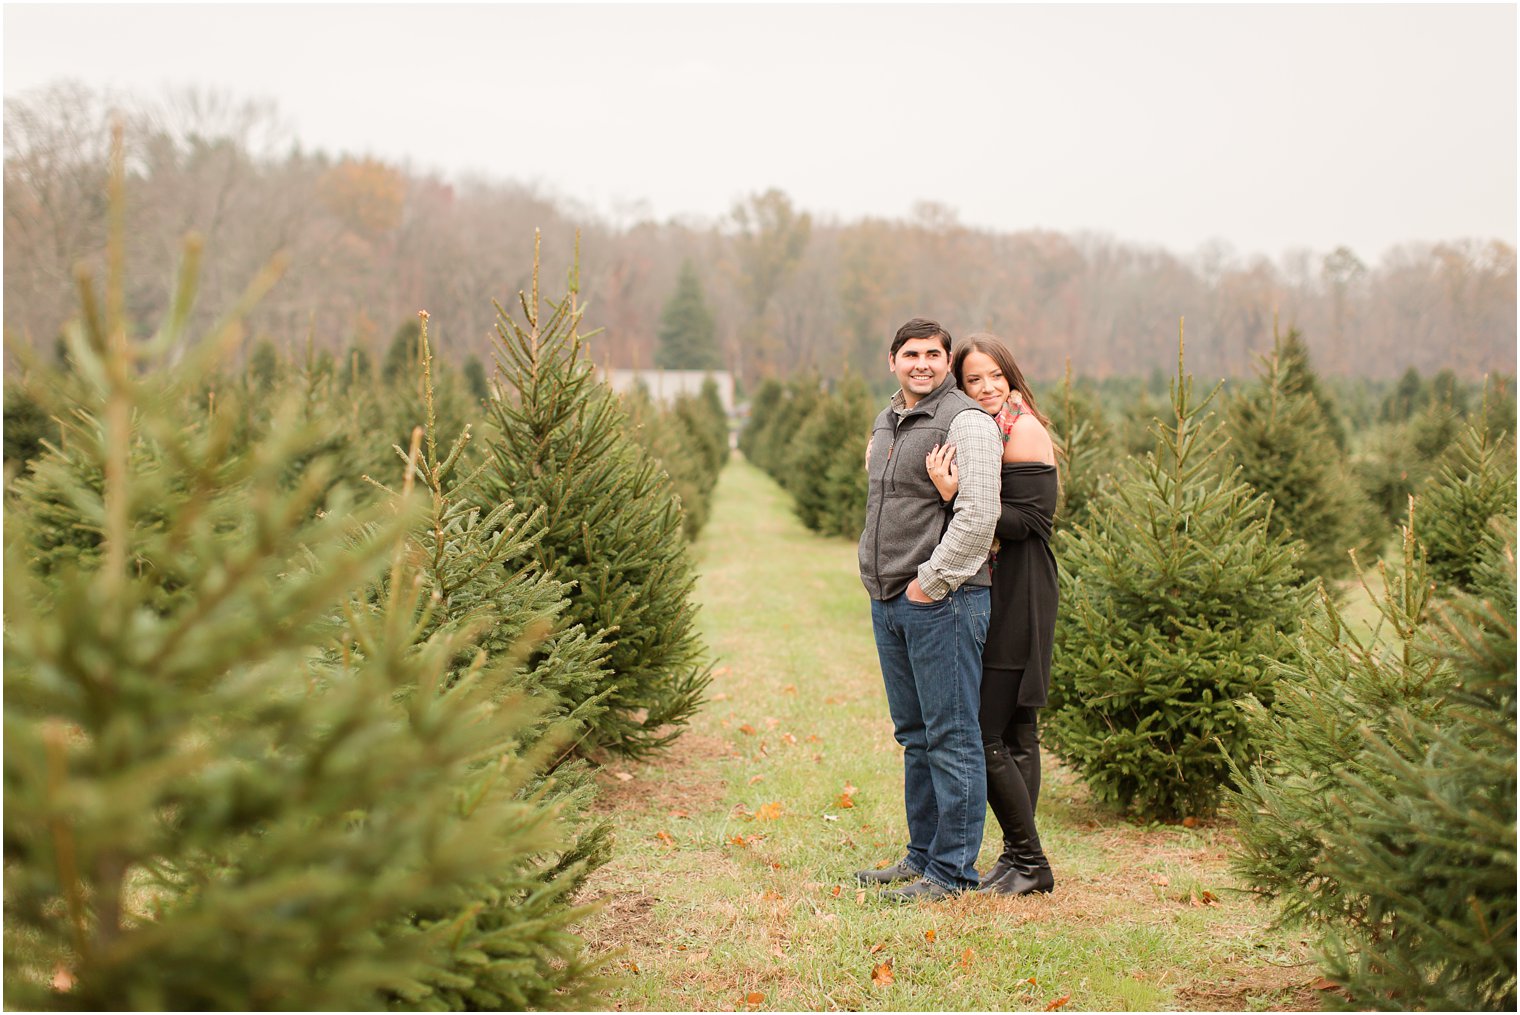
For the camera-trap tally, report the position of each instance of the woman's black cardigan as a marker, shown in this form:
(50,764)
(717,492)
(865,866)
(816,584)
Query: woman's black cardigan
(1022,630)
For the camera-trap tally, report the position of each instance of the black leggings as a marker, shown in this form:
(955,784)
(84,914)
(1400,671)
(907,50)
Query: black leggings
(1011,743)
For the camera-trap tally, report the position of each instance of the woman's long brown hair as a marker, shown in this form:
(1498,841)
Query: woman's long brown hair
(989,344)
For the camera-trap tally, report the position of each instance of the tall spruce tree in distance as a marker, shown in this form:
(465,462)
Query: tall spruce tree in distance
(688,337)
(1172,600)
(612,522)
(1283,449)
(1293,354)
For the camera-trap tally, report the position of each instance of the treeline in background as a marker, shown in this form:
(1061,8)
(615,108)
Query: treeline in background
(369,242)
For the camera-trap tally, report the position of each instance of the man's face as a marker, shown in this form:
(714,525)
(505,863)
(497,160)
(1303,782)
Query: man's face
(920,365)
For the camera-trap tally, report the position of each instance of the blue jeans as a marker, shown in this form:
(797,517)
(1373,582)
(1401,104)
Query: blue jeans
(931,662)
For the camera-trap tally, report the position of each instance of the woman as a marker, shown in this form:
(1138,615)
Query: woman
(1016,658)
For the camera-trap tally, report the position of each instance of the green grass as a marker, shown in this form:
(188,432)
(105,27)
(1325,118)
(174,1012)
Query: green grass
(732,884)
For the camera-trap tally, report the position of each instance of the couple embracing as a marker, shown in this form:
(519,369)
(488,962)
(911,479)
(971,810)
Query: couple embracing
(955,555)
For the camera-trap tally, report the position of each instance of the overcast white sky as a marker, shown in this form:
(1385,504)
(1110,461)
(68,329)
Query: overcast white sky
(1266,127)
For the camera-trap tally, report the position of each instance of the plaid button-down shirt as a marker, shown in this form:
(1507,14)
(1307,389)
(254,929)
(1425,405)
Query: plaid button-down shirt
(963,550)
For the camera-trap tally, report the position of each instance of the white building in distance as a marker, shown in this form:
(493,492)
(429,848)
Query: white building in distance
(665,386)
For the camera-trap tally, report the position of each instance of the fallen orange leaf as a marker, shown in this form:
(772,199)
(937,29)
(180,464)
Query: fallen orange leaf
(1161,880)
(850,790)
(770,811)
(771,896)
(756,778)
(788,739)
(881,975)
(1058,1002)
(632,967)
(1323,984)
(789,689)
(836,891)
(738,840)
(1210,899)
(754,997)
(881,865)
(771,724)
(878,946)
(814,738)
(929,935)
(666,838)
(1190,822)
(843,800)
(1031,982)
(966,957)
(747,729)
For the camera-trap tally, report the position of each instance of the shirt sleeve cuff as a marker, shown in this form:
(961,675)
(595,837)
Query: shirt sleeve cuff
(934,586)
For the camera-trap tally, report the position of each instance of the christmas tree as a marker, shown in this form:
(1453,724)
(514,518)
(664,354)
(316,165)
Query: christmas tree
(513,618)
(1382,815)
(246,766)
(612,525)
(1283,448)
(688,337)
(1453,512)
(1172,601)
(824,466)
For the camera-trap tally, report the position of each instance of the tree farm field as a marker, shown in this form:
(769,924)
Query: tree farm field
(732,888)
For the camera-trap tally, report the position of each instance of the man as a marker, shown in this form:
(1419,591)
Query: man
(930,600)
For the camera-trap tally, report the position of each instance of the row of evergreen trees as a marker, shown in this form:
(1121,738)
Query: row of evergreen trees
(1204,661)
(303,669)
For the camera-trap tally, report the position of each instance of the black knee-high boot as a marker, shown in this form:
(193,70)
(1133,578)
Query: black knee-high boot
(1024,746)
(1022,868)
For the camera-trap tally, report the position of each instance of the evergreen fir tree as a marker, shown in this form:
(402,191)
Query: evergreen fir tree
(1299,376)
(27,426)
(1172,601)
(669,441)
(401,354)
(763,408)
(516,616)
(612,524)
(1383,813)
(823,468)
(1088,457)
(475,378)
(1452,514)
(1279,442)
(688,337)
(247,793)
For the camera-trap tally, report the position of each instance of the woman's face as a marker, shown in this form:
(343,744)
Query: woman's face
(983,381)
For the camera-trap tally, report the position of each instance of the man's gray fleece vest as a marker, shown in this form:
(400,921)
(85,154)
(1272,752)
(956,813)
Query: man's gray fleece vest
(904,515)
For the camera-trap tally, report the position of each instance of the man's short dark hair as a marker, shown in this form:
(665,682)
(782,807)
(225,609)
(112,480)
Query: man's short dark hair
(921,327)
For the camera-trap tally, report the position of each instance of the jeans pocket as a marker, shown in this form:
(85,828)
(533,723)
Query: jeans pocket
(936,604)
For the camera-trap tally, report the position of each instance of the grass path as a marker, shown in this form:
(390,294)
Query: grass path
(732,887)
